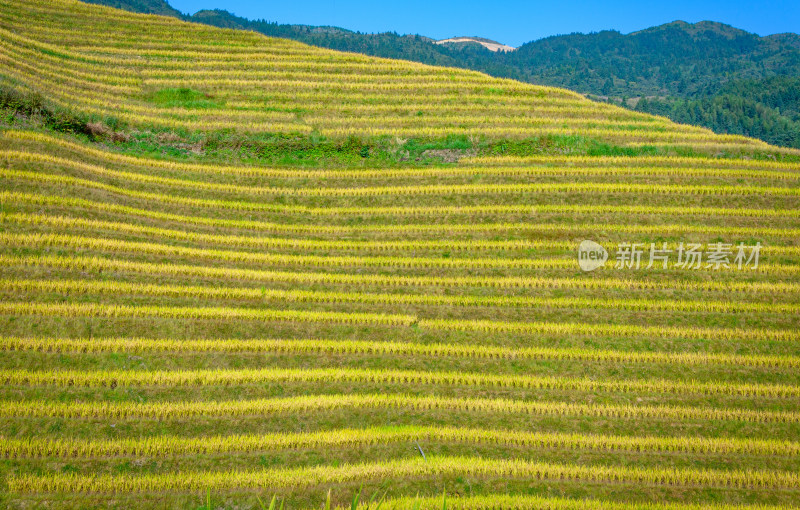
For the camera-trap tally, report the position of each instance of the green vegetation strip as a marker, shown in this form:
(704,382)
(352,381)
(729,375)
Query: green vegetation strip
(367,319)
(68,222)
(496,501)
(47,240)
(231,377)
(437,467)
(353,438)
(388,348)
(115,288)
(380,173)
(352,402)
(410,210)
(391,228)
(100,264)
(431,189)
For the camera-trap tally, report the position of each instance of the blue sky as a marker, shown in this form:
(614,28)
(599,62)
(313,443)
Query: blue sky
(510,21)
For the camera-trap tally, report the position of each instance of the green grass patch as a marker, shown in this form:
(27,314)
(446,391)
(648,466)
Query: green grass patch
(182,98)
(564,144)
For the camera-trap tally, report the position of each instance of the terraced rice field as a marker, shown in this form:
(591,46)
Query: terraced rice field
(176,331)
(109,62)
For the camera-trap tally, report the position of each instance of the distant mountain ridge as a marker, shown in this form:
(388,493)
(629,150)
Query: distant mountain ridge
(676,59)
(669,65)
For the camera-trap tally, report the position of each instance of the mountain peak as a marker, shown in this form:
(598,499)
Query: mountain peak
(486,43)
(701,27)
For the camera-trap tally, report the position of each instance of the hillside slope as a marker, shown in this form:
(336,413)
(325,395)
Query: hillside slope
(143,70)
(188,320)
(673,62)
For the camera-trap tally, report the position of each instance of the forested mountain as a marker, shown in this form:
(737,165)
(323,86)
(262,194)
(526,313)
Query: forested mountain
(677,59)
(706,73)
(768,109)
